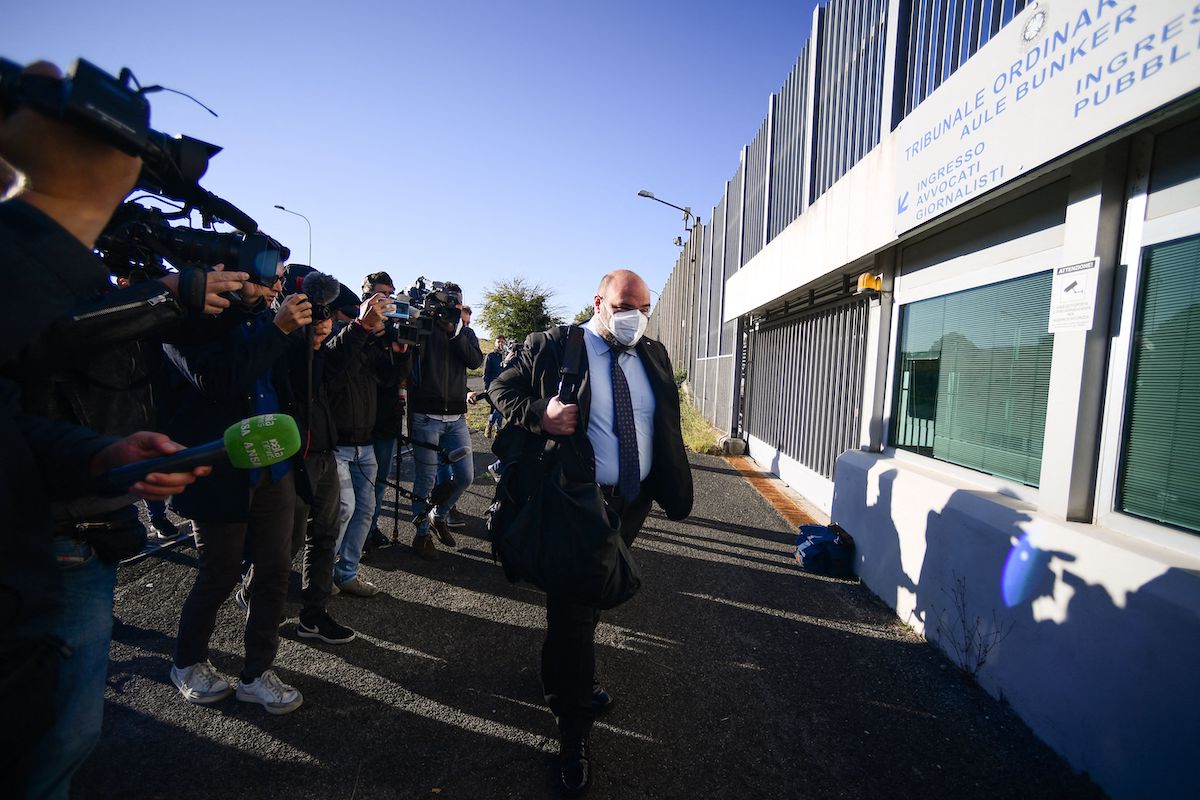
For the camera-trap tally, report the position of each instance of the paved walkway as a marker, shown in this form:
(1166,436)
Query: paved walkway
(736,676)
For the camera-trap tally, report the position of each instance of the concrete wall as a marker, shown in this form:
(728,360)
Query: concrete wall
(1103,641)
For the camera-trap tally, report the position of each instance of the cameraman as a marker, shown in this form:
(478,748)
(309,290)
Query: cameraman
(53,655)
(437,394)
(375,361)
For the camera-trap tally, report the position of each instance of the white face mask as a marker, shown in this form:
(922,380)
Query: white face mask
(627,326)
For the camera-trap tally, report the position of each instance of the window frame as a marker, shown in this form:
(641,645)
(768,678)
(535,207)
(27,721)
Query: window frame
(1037,252)
(1138,235)
(959,472)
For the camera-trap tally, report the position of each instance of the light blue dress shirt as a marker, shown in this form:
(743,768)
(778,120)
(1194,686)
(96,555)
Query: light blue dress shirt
(600,414)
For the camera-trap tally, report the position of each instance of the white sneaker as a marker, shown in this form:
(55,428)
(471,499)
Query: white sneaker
(200,683)
(274,695)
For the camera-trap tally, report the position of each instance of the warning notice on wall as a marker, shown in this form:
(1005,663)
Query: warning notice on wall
(1073,297)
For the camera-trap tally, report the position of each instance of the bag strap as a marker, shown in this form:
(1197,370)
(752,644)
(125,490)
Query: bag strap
(568,383)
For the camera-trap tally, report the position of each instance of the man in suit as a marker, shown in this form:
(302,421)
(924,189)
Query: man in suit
(625,432)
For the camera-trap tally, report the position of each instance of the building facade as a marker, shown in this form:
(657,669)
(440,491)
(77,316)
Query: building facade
(1005,410)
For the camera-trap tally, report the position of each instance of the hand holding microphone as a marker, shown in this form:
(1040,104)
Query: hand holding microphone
(253,443)
(153,484)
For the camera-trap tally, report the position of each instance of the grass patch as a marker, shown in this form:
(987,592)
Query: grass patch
(698,435)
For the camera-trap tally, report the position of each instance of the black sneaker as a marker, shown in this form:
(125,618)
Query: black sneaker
(455,519)
(601,699)
(325,628)
(163,528)
(375,540)
(575,765)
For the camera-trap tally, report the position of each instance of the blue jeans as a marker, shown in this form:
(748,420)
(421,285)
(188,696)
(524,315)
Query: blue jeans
(385,452)
(86,627)
(451,436)
(496,419)
(356,471)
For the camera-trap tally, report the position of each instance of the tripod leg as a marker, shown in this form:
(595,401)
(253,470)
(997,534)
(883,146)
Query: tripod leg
(396,504)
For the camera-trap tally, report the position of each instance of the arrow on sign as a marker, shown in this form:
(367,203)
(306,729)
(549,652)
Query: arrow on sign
(902,203)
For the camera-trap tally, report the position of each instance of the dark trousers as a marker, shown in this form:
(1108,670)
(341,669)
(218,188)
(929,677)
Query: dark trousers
(28,681)
(266,536)
(318,536)
(569,652)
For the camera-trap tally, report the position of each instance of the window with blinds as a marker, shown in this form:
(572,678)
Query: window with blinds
(1160,470)
(973,377)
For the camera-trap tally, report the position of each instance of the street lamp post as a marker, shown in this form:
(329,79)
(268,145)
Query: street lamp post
(307,222)
(687,212)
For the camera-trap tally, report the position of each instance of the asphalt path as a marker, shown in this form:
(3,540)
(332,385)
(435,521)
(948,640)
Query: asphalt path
(735,675)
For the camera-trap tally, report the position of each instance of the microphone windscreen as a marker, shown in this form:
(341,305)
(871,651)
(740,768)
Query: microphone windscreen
(262,441)
(321,289)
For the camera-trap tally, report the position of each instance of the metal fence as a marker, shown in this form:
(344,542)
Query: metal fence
(828,114)
(805,382)
(788,118)
(849,96)
(936,37)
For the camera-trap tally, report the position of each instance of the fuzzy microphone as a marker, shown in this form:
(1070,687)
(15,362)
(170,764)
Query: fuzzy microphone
(321,289)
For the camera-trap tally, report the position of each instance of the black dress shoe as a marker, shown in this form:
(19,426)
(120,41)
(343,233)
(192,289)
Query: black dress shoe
(601,699)
(575,767)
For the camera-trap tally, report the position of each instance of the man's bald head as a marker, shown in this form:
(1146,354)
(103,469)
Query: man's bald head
(623,290)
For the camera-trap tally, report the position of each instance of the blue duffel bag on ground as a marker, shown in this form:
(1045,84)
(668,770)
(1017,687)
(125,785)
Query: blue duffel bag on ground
(825,550)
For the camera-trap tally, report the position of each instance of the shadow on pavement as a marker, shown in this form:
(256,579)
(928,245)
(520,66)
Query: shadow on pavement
(735,675)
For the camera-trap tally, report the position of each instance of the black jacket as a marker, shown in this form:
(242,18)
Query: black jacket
(525,388)
(318,432)
(90,368)
(47,271)
(438,384)
(368,364)
(214,388)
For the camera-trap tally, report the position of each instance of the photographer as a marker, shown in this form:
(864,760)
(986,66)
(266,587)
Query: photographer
(236,375)
(53,655)
(437,394)
(389,418)
(314,368)
(377,361)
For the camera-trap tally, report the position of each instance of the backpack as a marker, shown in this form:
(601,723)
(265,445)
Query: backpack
(825,550)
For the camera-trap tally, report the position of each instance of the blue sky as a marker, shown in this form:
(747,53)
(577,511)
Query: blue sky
(461,140)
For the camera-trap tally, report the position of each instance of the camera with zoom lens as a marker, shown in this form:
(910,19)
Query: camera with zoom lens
(139,241)
(419,306)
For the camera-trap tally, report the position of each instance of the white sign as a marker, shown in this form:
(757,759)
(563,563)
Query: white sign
(1073,297)
(1062,73)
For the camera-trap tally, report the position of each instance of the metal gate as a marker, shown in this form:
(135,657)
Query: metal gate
(805,383)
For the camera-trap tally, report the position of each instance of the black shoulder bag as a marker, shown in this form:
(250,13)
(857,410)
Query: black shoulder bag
(554,532)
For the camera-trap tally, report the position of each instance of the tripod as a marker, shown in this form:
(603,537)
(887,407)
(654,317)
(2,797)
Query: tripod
(439,493)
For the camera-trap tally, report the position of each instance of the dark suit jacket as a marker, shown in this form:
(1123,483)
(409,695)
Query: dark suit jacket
(525,388)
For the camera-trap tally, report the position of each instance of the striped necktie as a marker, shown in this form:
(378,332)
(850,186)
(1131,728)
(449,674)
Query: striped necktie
(629,482)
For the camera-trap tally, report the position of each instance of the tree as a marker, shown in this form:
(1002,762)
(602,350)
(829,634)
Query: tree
(583,316)
(515,308)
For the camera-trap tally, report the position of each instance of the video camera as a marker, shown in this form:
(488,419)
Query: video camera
(138,239)
(419,306)
(112,110)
